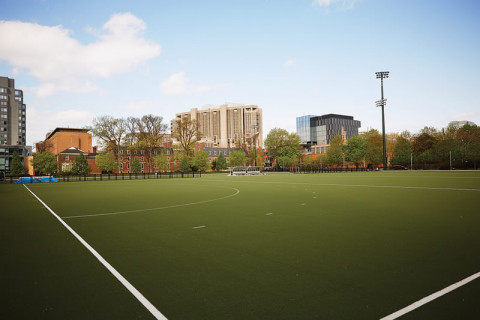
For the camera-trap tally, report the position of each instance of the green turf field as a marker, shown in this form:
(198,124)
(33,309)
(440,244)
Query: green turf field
(280,246)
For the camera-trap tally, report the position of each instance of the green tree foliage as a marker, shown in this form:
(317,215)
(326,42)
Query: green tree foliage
(355,150)
(280,143)
(335,151)
(374,147)
(184,166)
(44,163)
(402,152)
(468,137)
(161,162)
(423,147)
(237,158)
(200,161)
(17,168)
(221,163)
(136,167)
(81,165)
(106,162)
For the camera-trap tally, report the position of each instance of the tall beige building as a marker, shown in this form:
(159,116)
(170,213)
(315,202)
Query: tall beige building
(228,126)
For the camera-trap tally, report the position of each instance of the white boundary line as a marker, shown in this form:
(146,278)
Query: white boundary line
(151,209)
(431,297)
(349,185)
(150,307)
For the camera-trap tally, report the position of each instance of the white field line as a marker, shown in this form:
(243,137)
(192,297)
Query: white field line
(150,307)
(431,297)
(151,209)
(199,227)
(352,185)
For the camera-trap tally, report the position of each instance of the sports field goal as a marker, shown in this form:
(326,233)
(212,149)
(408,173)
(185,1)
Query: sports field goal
(245,171)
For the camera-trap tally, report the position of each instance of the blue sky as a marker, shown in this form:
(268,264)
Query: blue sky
(76,60)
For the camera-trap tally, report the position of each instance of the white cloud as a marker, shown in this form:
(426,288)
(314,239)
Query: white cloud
(289,63)
(40,122)
(177,83)
(61,63)
(203,89)
(464,116)
(342,4)
(320,3)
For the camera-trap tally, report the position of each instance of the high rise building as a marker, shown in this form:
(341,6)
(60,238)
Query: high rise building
(12,124)
(228,126)
(303,128)
(324,128)
(319,130)
(12,114)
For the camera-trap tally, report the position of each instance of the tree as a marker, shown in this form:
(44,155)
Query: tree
(161,162)
(81,165)
(237,158)
(110,133)
(200,161)
(355,150)
(252,160)
(106,162)
(221,163)
(308,162)
(187,133)
(281,143)
(374,147)
(136,167)
(146,134)
(184,166)
(468,137)
(44,163)
(402,152)
(17,167)
(423,146)
(335,151)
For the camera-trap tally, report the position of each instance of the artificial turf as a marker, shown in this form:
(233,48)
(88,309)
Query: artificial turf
(280,246)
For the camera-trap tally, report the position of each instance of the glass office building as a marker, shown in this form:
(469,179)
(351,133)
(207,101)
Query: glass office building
(324,128)
(303,128)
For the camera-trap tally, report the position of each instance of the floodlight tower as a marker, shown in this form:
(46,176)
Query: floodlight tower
(381,103)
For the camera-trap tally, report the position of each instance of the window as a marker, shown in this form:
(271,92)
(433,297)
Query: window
(3,90)
(142,166)
(121,165)
(3,97)
(3,109)
(142,158)
(121,158)
(18,98)
(18,93)
(4,116)
(67,158)
(128,165)
(3,103)
(121,151)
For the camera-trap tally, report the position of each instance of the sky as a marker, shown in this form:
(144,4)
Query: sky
(77,60)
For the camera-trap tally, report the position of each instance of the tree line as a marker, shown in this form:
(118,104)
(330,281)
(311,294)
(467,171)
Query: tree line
(447,148)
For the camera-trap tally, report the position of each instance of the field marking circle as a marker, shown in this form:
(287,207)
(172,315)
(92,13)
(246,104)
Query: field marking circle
(158,208)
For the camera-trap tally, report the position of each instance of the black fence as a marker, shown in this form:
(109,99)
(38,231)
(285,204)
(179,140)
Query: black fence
(103,177)
(329,170)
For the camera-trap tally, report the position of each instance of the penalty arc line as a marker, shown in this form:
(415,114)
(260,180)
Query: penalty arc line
(147,304)
(431,297)
(152,209)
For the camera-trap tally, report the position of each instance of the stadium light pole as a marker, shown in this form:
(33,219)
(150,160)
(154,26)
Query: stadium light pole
(381,103)
(254,127)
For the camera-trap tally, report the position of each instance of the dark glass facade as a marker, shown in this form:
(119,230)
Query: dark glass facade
(324,128)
